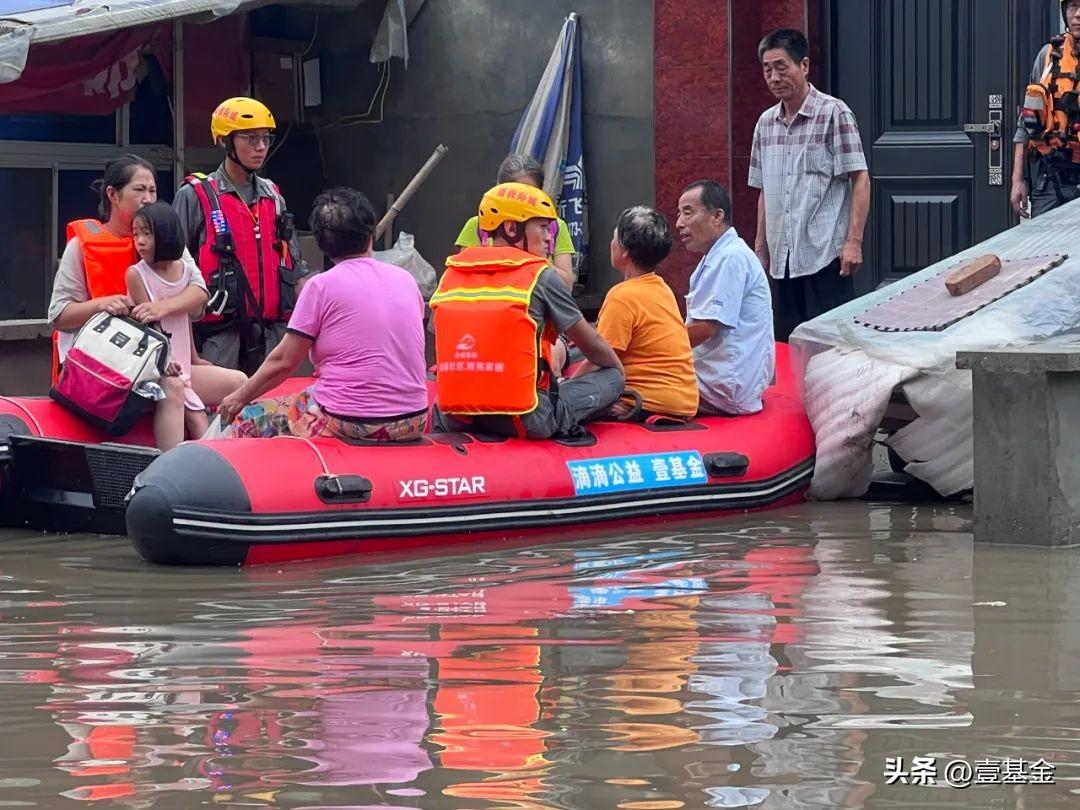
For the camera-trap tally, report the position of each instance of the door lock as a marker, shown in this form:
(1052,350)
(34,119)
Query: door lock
(995,169)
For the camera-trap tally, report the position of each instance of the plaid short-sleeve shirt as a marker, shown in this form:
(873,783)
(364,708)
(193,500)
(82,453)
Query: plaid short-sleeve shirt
(803,168)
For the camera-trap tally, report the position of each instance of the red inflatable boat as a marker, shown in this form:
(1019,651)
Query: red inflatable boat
(59,473)
(272,500)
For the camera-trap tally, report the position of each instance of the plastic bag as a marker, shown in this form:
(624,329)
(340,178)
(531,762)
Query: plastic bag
(405,255)
(217,430)
(393,36)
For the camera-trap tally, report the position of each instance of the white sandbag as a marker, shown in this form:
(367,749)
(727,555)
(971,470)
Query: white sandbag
(846,393)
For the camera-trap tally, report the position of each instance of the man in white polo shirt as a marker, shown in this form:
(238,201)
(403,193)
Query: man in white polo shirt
(728,309)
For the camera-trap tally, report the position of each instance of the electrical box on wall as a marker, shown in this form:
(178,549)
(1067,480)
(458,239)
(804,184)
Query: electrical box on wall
(277,84)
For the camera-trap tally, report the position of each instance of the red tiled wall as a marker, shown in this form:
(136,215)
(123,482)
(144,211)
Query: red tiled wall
(753,19)
(691,109)
(708,95)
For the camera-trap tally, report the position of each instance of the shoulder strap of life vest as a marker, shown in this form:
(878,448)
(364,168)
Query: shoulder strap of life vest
(219,233)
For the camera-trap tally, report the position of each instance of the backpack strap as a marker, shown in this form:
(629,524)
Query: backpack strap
(224,247)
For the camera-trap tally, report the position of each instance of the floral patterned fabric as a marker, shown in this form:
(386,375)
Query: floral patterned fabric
(300,415)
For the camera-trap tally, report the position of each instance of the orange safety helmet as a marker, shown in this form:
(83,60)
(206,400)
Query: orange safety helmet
(514,202)
(238,114)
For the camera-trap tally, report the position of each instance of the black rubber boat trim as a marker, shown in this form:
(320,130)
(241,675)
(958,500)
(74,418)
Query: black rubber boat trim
(281,528)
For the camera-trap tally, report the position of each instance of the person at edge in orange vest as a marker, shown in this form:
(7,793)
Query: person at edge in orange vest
(1046,163)
(244,240)
(92,276)
(497,311)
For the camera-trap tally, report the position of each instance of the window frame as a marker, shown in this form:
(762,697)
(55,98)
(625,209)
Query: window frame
(60,156)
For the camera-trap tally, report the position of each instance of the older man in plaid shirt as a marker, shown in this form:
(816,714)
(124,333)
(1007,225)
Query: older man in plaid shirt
(808,161)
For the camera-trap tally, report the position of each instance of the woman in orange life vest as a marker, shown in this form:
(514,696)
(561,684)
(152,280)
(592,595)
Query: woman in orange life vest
(496,312)
(92,276)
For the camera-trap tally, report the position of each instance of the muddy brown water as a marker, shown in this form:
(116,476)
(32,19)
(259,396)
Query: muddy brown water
(777,660)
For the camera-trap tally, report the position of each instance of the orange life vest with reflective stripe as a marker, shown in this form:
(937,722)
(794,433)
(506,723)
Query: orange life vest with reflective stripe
(488,349)
(1051,107)
(106,259)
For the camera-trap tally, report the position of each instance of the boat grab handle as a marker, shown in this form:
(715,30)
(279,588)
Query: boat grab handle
(333,488)
(726,465)
(343,488)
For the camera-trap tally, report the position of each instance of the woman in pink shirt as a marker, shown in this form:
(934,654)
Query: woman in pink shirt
(362,322)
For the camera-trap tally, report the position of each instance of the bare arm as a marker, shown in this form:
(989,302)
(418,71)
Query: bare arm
(276,368)
(136,289)
(851,257)
(596,350)
(1020,193)
(701,331)
(860,205)
(191,301)
(761,242)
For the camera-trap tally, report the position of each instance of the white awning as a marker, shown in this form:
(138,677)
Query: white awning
(23,22)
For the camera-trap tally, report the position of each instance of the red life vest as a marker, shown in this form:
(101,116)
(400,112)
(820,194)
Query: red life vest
(258,250)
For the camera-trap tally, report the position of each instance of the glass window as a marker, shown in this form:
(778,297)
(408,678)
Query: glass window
(59,128)
(75,200)
(26,268)
(151,113)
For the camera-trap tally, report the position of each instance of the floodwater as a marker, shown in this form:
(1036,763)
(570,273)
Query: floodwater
(774,661)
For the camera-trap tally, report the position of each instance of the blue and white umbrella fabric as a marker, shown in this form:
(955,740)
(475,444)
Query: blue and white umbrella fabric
(551,131)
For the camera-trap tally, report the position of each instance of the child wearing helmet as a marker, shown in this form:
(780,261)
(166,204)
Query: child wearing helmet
(243,238)
(497,311)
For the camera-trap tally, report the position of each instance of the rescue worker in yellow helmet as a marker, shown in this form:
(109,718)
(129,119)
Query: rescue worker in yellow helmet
(244,241)
(497,311)
(1046,163)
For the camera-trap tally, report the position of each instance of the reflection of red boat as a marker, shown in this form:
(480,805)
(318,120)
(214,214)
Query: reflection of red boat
(273,500)
(463,681)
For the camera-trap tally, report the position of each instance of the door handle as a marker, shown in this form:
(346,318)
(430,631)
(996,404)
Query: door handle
(995,169)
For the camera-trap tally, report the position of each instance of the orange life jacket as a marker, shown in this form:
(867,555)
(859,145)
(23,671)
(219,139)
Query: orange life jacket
(488,349)
(1052,106)
(106,259)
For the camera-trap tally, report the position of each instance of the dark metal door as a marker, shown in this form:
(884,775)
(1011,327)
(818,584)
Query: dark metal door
(932,87)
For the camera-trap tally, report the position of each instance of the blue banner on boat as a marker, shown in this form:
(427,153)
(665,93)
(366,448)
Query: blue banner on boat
(601,596)
(600,476)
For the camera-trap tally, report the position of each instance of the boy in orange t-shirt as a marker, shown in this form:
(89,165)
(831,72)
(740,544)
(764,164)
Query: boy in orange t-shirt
(641,320)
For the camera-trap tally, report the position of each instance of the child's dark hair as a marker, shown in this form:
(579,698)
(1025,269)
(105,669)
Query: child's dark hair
(168,233)
(118,173)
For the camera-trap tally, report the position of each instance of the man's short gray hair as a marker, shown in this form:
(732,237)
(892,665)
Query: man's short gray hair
(514,166)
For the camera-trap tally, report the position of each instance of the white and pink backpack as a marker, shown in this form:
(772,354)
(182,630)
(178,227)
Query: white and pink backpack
(110,374)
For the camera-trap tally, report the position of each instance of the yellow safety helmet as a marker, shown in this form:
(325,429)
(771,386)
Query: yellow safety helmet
(237,114)
(514,202)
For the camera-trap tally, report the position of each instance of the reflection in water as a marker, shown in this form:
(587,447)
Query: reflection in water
(774,662)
